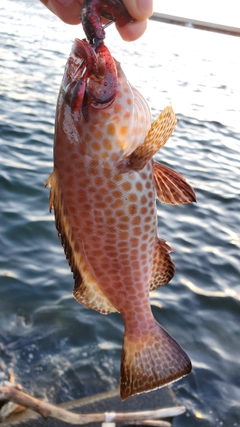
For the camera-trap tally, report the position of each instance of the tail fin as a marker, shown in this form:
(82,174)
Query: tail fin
(151,361)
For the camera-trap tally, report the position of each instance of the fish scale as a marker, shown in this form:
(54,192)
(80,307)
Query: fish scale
(103,191)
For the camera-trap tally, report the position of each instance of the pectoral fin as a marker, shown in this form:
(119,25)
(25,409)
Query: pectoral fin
(171,187)
(160,132)
(86,290)
(163,267)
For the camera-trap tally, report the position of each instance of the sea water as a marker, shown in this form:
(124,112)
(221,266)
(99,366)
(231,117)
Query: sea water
(58,349)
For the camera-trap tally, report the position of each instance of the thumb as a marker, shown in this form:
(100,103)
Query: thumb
(139,9)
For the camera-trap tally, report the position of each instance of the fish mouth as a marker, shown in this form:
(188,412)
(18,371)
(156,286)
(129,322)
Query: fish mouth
(90,78)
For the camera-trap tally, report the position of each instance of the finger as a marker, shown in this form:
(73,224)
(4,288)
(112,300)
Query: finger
(139,9)
(67,10)
(132,31)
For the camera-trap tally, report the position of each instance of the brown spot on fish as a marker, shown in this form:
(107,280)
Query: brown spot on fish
(105,116)
(123,131)
(118,178)
(124,226)
(119,94)
(132,209)
(98,134)
(107,174)
(143,211)
(134,242)
(107,144)
(143,200)
(99,181)
(126,115)
(117,194)
(124,218)
(136,231)
(96,146)
(126,185)
(139,186)
(148,219)
(120,213)
(111,130)
(136,220)
(104,155)
(117,108)
(117,204)
(132,197)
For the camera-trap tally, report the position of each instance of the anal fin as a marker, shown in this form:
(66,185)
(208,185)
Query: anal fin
(163,267)
(171,187)
(87,292)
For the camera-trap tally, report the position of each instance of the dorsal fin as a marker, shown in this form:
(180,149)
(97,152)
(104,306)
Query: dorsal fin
(86,290)
(163,267)
(171,187)
(159,133)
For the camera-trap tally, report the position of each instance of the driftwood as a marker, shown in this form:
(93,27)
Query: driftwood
(15,394)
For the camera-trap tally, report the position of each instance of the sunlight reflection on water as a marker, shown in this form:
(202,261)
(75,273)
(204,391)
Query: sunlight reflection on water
(220,294)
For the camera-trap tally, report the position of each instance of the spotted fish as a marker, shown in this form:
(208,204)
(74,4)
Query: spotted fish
(103,190)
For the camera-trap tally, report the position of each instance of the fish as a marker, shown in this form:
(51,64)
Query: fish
(103,190)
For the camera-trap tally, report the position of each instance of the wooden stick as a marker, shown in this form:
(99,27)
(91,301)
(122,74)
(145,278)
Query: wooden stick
(14,394)
(152,423)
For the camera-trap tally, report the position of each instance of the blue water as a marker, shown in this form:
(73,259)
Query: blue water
(58,349)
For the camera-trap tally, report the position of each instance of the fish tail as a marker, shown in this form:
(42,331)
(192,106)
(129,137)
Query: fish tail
(150,361)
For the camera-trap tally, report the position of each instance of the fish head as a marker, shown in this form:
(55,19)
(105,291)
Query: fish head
(118,126)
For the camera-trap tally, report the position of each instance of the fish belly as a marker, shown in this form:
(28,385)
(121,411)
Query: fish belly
(113,221)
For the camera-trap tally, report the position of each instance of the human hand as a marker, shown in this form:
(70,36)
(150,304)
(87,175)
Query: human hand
(69,11)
